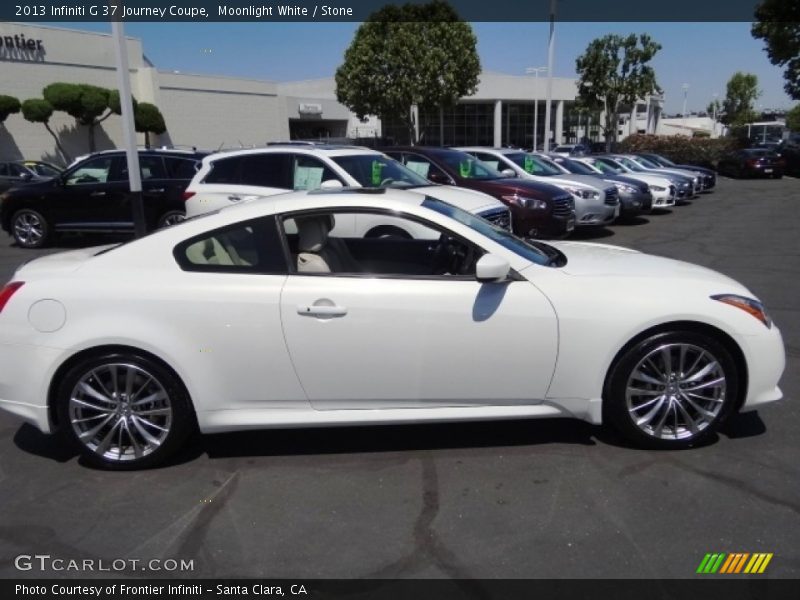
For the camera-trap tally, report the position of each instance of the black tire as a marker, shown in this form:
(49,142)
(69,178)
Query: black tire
(169,415)
(169,218)
(29,228)
(674,412)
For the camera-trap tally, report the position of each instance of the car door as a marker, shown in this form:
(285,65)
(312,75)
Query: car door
(395,333)
(90,196)
(230,284)
(237,178)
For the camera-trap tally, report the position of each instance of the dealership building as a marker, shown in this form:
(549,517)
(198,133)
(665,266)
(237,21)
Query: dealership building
(215,111)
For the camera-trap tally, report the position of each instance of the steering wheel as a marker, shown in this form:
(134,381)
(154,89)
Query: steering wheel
(443,256)
(387,182)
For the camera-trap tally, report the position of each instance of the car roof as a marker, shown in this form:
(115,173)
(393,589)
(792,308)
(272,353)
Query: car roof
(311,150)
(489,149)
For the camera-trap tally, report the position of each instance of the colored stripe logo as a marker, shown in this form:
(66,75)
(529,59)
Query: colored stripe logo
(734,563)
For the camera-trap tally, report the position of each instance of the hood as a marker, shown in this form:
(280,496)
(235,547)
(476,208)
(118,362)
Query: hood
(637,183)
(584,180)
(675,173)
(519,186)
(602,260)
(470,200)
(58,263)
(36,185)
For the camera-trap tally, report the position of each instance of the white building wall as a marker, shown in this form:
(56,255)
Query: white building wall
(225,112)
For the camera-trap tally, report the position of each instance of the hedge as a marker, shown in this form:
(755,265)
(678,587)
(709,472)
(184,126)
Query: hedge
(681,149)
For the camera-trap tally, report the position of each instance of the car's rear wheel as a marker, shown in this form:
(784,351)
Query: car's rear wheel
(172,217)
(29,228)
(671,390)
(124,411)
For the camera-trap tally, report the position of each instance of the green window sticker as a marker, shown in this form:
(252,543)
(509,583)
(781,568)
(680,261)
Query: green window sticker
(529,166)
(464,168)
(377,167)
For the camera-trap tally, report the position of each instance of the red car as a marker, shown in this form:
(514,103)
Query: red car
(538,209)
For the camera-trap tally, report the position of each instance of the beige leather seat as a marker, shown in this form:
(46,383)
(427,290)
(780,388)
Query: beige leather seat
(319,253)
(212,251)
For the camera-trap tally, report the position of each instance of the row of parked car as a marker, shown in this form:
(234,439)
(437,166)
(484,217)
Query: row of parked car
(535,195)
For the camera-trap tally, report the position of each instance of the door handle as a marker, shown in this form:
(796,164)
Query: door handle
(96,194)
(321,310)
(235,198)
(157,190)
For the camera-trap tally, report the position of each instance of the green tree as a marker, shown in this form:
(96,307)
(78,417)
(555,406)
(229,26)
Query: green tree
(793,118)
(419,54)
(148,119)
(89,105)
(37,110)
(8,106)
(614,71)
(741,93)
(778,24)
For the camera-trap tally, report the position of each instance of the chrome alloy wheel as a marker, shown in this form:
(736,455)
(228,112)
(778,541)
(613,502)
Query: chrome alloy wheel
(28,229)
(675,391)
(173,219)
(120,412)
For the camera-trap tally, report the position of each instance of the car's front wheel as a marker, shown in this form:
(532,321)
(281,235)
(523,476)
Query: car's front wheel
(671,390)
(169,218)
(29,228)
(123,411)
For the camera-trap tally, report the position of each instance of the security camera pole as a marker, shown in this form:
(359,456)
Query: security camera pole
(128,129)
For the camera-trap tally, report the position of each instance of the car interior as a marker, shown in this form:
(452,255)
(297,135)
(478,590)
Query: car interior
(315,250)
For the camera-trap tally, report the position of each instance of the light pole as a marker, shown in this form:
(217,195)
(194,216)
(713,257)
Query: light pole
(535,71)
(685,88)
(550,52)
(714,116)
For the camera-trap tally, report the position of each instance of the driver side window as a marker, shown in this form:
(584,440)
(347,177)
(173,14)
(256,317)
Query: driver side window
(375,244)
(93,171)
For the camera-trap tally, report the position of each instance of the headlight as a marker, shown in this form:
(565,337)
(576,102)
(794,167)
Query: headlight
(658,188)
(627,189)
(525,202)
(580,192)
(749,305)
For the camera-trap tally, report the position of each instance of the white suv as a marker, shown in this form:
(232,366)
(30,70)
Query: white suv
(226,178)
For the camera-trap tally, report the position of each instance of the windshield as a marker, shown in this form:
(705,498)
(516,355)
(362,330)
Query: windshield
(665,161)
(466,166)
(500,236)
(627,162)
(647,163)
(377,170)
(44,170)
(533,164)
(579,168)
(606,165)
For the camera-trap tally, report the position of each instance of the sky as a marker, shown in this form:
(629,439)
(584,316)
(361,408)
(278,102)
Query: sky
(702,55)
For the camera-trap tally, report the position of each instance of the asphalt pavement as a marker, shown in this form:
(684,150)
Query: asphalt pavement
(519,499)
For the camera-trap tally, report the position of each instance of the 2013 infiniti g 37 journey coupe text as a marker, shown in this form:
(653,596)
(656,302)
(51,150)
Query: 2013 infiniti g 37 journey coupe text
(265,315)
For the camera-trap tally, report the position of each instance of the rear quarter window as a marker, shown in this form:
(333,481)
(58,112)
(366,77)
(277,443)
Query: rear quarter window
(224,170)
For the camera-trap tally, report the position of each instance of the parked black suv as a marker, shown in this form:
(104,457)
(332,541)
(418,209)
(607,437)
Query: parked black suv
(93,196)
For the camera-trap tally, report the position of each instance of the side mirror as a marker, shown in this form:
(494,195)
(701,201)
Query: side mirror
(508,172)
(491,268)
(331,184)
(437,177)
(26,176)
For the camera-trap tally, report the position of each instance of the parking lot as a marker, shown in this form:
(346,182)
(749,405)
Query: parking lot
(518,499)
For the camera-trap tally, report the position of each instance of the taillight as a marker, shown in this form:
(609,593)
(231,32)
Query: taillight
(8,291)
(187,194)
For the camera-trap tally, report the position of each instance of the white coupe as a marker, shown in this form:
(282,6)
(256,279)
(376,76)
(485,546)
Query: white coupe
(261,316)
